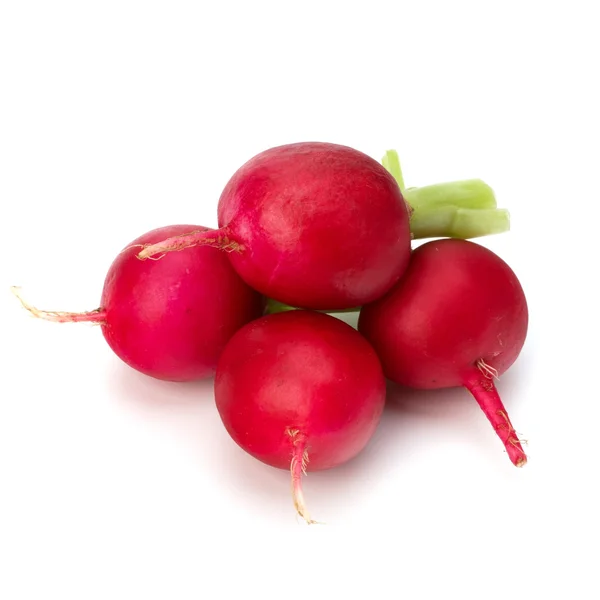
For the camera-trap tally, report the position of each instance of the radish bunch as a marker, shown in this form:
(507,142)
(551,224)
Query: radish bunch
(305,229)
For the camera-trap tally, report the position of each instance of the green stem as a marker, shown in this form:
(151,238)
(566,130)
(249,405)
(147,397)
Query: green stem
(391,162)
(454,222)
(468,193)
(274,306)
(458,209)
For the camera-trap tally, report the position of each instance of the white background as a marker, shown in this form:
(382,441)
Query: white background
(119,117)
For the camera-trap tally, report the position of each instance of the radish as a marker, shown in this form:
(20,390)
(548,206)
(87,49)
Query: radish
(311,224)
(324,226)
(169,319)
(458,317)
(300,390)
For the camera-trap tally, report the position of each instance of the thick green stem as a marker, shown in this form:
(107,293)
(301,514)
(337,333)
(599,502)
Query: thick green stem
(455,222)
(457,209)
(468,193)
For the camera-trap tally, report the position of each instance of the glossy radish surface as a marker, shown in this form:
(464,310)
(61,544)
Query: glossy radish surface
(300,390)
(169,318)
(311,224)
(458,317)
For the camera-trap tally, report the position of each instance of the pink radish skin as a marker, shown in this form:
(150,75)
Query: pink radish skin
(312,224)
(171,318)
(300,390)
(458,317)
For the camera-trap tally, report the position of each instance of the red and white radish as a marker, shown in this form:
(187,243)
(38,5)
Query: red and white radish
(458,317)
(169,319)
(311,224)
(300,390)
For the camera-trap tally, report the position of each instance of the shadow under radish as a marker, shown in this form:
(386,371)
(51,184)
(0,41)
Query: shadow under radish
(413,420)
(183,410)
(147,393)
(430,423)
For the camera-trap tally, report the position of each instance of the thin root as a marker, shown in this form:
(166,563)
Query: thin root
(298,466)
(513,438)
(516,443)
(131,247)
(220,242)
(487,370)
(95,317)
(304,461)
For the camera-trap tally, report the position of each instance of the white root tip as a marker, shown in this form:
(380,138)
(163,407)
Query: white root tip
(487,370)
(298,466)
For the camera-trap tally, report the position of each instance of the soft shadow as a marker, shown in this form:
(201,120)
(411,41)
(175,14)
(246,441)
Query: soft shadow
(406,415)
(411,419)
(146,392)
(410,416)
(265,490)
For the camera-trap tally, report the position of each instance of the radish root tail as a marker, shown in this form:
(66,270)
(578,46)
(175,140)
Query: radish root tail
(200,237)
(480,382)
(298,467)
(96,317)
(487,370)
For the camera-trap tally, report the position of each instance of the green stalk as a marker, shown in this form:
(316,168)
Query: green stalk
(468,193)
(391,162)
(274,306)
(454,222)
(458,209)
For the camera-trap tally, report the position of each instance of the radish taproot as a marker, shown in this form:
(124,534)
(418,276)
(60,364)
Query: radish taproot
(458,317)
(311,224)
(300,390)
(169,319)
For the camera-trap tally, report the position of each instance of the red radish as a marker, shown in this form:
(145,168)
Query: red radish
(311,224)
(458,317)
(169,319)
(300,390)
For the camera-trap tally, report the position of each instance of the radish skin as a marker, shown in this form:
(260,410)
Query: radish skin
(311,224)
(324,226)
